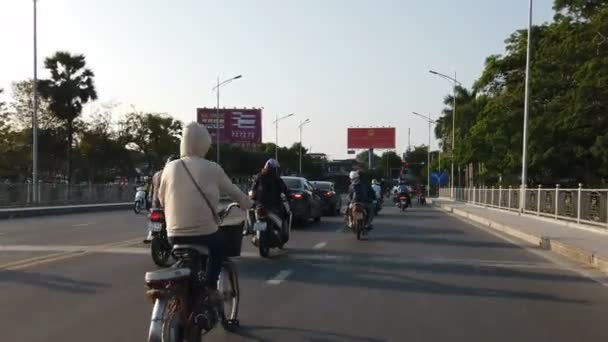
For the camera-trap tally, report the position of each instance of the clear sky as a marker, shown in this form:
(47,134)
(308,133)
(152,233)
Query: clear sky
(340,63)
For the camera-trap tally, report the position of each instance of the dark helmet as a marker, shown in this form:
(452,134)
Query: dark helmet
(271,167)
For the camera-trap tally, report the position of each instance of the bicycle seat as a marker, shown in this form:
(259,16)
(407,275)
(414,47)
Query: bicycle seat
(201,250)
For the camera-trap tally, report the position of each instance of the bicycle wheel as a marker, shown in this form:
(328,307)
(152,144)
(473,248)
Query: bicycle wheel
(228,285)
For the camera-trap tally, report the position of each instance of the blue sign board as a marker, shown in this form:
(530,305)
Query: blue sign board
(439,178)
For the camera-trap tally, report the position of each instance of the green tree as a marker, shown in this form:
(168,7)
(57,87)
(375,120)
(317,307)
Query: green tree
(22,105)
(69,88)
(387,163)
(154,135)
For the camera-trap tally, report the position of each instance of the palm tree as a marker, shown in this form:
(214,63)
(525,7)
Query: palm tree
(69,88)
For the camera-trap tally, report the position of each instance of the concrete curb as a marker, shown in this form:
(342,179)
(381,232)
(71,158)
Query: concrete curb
(60,210)
(588,258)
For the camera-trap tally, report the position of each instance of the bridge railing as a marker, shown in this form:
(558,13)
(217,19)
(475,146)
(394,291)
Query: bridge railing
(18,195)
(580,205)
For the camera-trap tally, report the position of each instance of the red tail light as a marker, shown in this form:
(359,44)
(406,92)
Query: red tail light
(261,212)
(297,196)
(329,193)
(157,216)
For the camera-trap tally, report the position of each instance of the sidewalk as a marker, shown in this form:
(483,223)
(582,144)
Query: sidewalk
(61,209)
(588,246)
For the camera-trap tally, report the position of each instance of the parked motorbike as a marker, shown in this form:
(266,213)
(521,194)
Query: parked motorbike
(160,248)
(182,310)
(140,202)
(358,219)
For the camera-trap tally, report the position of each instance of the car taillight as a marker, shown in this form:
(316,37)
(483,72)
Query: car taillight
(329,193)
(297,196)
(157,216)
(261,213)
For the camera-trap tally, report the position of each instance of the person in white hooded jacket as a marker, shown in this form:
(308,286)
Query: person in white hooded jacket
(188,216)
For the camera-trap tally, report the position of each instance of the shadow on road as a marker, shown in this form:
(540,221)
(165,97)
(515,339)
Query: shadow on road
(442,241)
(255,333)
(340,269)
(51,282)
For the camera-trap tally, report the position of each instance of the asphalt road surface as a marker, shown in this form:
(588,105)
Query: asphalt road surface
(420,276)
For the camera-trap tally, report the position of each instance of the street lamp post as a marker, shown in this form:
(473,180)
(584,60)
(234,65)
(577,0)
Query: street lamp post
(428,176)
(35,113)
(524,155)
(276,133)
(455,83)
(302,124)
(217,112)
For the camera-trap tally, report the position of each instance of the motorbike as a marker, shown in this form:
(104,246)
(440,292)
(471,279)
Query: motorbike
(422,199)
(160,248)
(140,200)
(403,201)
(358,217)
(270,231)
(378,205)
(182,310)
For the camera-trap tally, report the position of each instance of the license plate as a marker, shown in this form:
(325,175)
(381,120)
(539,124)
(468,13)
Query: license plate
(259,226)
(155,226)
(358,216)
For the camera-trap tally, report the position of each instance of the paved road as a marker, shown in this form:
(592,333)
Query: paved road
(421,276)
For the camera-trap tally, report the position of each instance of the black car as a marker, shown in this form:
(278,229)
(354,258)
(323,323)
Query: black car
(304,200)
(331,202)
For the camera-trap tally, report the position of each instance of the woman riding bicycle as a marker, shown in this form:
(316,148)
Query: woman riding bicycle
(190,191)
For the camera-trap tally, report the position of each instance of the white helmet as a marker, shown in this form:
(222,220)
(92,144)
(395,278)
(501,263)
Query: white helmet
(353,174)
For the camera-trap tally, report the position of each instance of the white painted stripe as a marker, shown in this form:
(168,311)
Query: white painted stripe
(279,278)
(320,245)
(82,224)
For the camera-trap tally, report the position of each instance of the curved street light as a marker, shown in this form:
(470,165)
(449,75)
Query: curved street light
(455,83)
(217,111)
(300,126)
(430,121)
(276,133)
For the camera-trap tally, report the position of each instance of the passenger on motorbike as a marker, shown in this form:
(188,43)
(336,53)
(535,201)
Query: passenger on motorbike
(189,191)
(268,189)
(377,189)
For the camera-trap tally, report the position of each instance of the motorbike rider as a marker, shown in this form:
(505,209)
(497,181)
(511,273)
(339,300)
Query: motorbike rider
(154,191)
(156,182)
(370,193)
(357,193)
(189,191)
(268,188)
(403,189)
(377,189)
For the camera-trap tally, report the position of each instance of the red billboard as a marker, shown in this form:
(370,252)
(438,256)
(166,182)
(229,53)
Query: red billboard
(365,138)
(237,126)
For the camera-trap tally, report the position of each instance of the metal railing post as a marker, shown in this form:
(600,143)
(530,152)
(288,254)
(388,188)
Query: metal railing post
(578,205)
(474,195)
(556,199)
(499,196)
(538,201)
(492,195)
(509,203)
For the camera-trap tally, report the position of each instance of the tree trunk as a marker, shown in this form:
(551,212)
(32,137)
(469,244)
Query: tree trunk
(70,132)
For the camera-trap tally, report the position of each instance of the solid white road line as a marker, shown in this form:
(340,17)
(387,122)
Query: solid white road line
(279,278)
(82,224)
(320,245)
